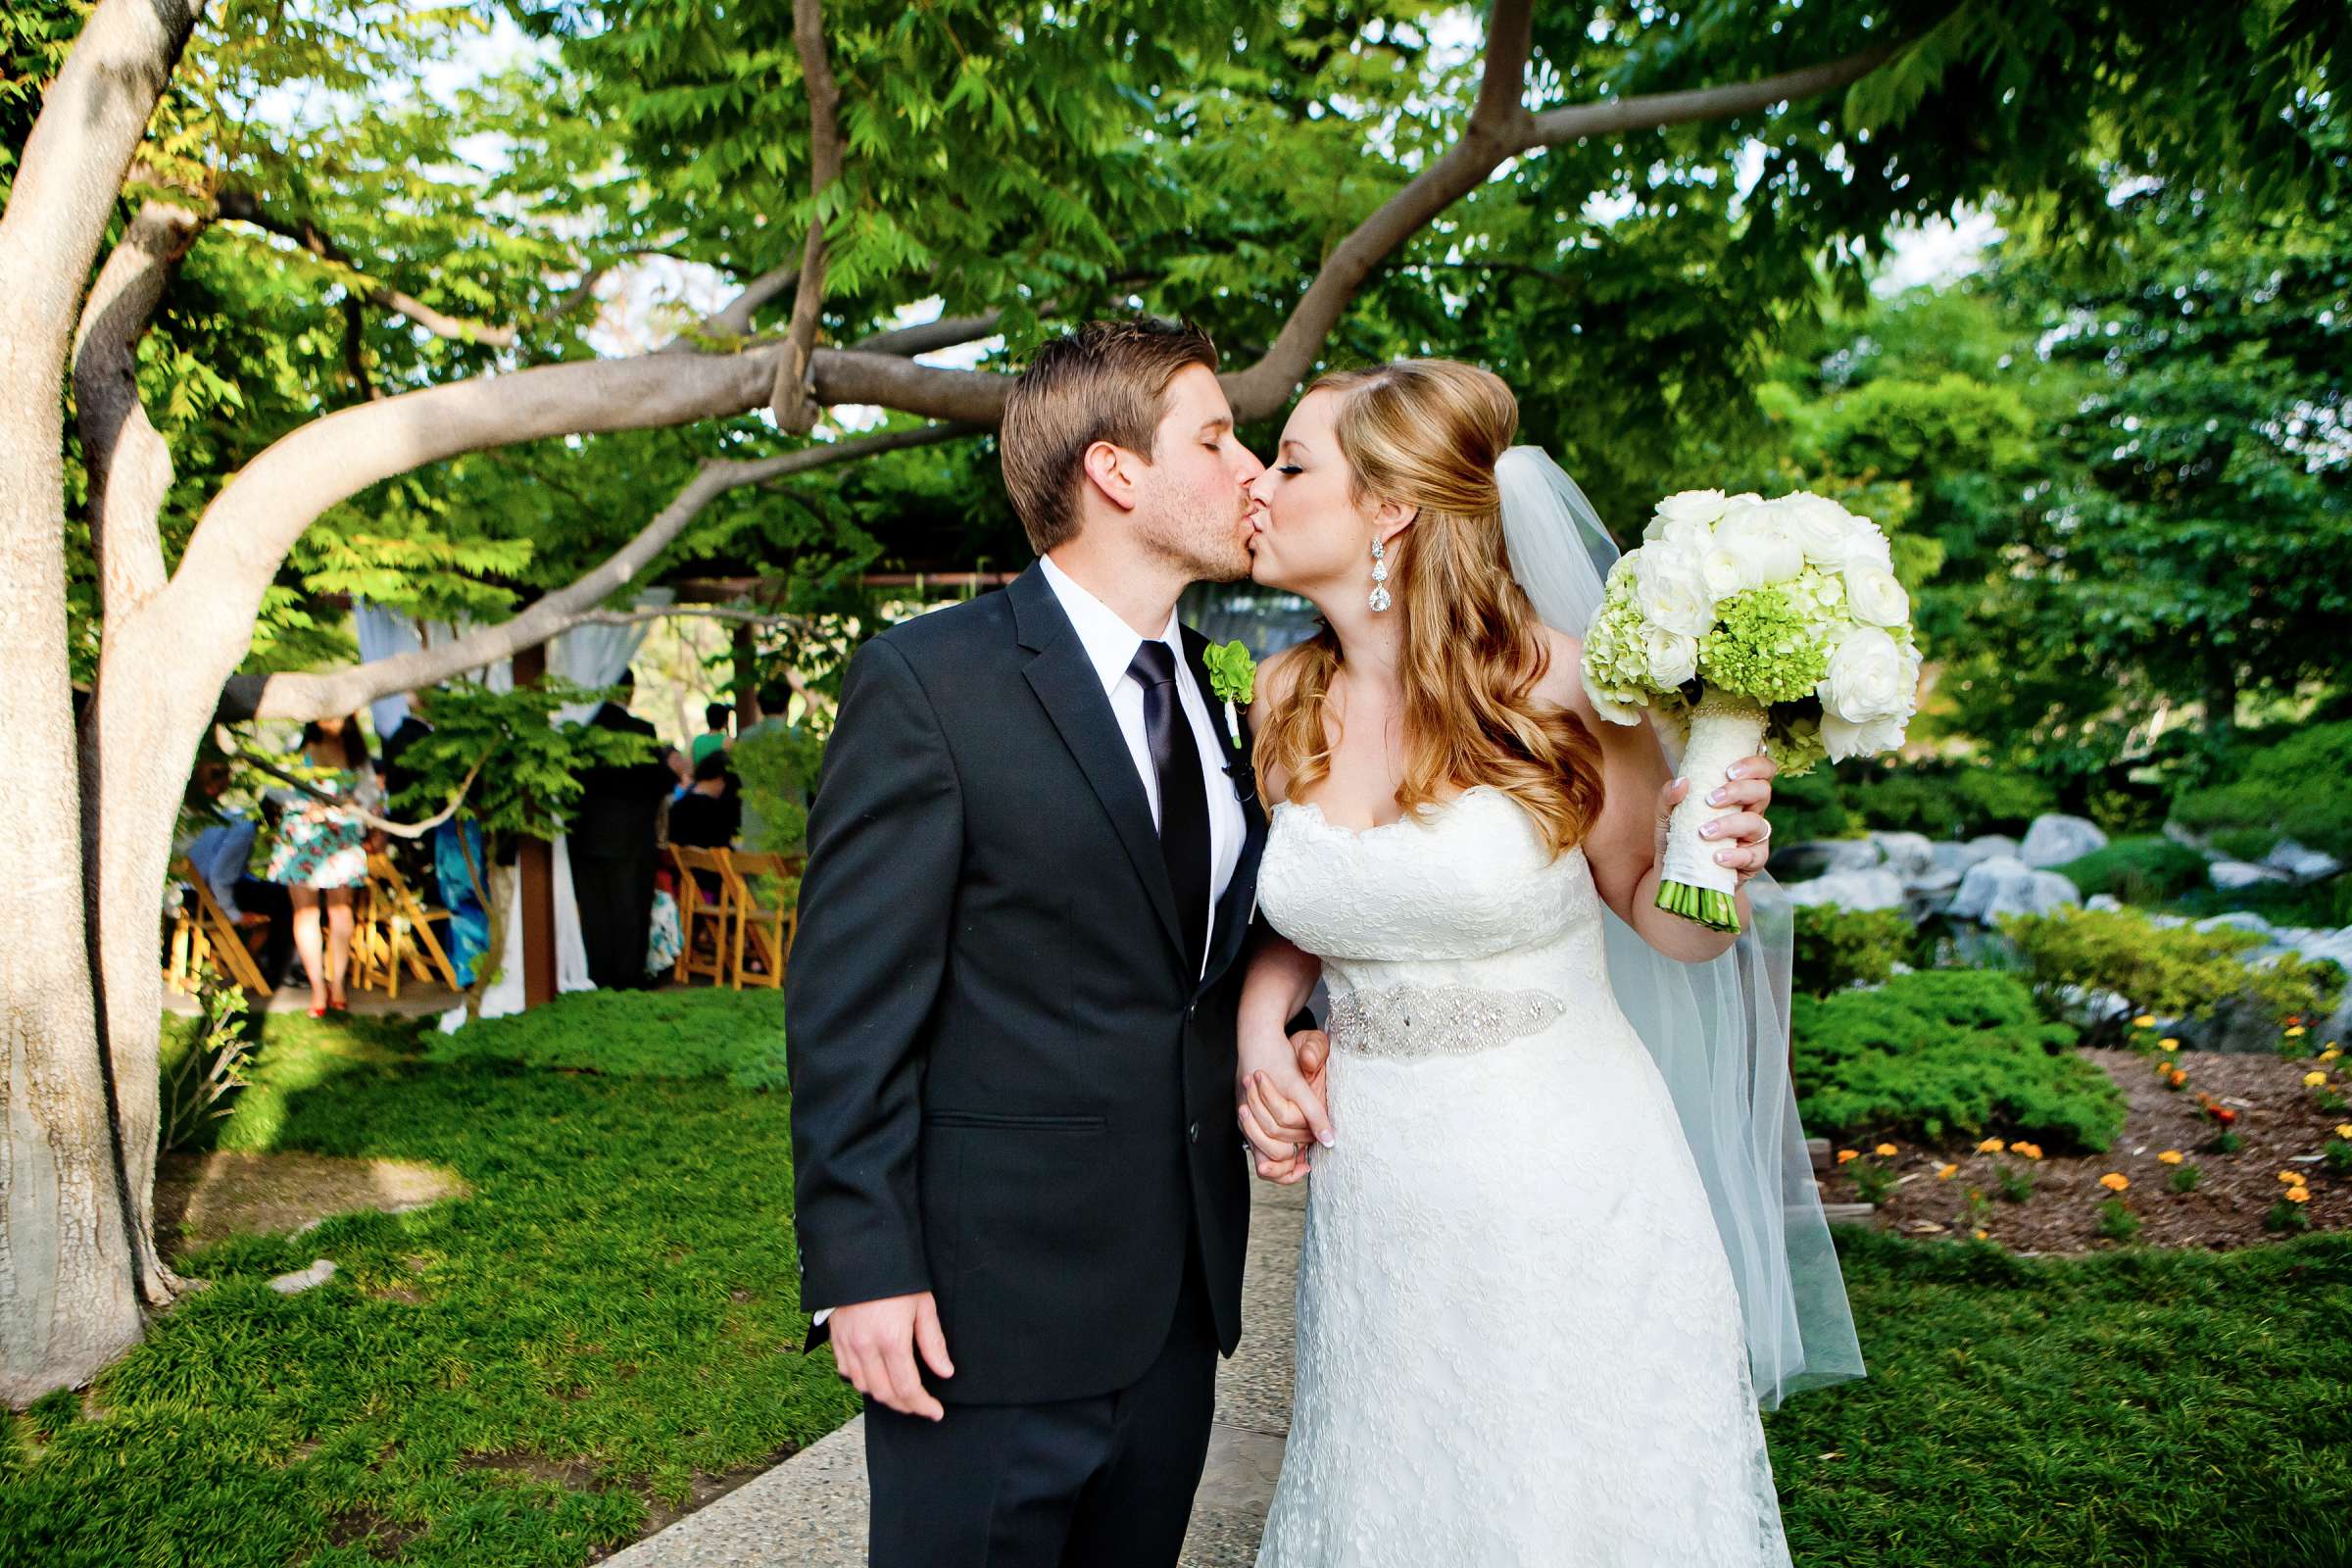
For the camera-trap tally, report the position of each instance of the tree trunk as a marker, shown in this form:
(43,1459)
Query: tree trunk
(69,1301)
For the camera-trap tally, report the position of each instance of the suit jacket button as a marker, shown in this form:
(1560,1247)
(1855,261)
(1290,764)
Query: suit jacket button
(1192,1133)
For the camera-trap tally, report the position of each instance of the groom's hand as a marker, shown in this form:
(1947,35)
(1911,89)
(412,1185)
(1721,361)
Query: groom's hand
(874,1344)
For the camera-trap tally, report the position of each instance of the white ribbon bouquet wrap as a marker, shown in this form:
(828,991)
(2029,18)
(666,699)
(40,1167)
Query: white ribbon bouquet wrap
(1754,626)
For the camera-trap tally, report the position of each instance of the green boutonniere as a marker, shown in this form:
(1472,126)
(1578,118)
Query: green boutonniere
(1232,673)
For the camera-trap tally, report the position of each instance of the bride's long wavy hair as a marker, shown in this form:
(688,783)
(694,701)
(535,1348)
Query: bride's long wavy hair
(1426,433)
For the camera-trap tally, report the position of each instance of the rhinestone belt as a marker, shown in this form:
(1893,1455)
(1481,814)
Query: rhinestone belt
(1402,1023)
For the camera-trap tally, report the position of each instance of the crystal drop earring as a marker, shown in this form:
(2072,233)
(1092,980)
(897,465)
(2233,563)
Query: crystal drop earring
(1380,577)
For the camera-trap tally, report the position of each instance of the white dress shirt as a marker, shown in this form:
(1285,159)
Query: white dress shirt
(1110,646)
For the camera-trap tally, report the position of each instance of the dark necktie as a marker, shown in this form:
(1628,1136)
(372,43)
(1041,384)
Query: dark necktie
(1183,796)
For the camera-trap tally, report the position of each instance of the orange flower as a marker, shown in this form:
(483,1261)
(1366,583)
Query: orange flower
(1990,1145)
(2292,1178)
(1982,1233)
(2343,1129)
(1884,1151)
(2029,1150)
(1845,1155)
(2298,1194)
(2170,1157)
(2114,1181)
(1944,1173)
(2313,1080)
(2178,1078)
(2330,1054)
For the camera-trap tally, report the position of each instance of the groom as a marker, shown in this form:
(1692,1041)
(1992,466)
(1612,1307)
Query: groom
(1022,1193)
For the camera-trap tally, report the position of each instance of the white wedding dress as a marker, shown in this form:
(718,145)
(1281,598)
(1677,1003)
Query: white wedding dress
(1519,1341)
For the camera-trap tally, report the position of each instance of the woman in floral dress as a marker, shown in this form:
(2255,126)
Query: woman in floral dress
(322,854)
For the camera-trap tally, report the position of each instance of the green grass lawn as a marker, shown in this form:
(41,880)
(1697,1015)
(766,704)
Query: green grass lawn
(503,1379)
(506,1379)
(2138,1408)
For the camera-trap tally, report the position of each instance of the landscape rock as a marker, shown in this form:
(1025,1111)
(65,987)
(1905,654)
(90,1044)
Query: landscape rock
(2231,876)
(2300,863)
(2055,839)
(1799,863)
(2007,884)
(319,1273)
(1909,856)
(1874,889)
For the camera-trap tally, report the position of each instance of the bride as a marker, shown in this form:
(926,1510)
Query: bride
(1561,1234)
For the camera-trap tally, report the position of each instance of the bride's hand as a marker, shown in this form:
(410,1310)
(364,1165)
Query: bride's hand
(1741,838)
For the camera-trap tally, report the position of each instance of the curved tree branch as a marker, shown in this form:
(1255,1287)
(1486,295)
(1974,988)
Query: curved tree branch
(1499,127)
(245,207)
(343,691)
(796,408)
(128,463)
(1647,111)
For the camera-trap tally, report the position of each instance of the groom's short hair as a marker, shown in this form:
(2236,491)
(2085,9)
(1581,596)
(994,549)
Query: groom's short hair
(1107,382)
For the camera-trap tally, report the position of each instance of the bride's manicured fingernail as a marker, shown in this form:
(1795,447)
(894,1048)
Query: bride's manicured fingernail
(1715,799)
(1326,1139)
(1725,859)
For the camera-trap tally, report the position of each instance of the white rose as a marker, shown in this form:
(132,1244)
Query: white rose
(1760,541)
(1844,740)
(1691,506)
(1673,594)
(1868,678)
(1725,570)
(1673,657)
(1819,526)
(1878,598)
(1679,535)
(1867,546)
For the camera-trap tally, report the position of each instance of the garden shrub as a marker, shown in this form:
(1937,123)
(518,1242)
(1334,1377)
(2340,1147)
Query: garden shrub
(737,1036)
(1942,799)
(1947,1051)
(778,769)
(2173,971)
(2141,871)
(1835,949)
(2288,787)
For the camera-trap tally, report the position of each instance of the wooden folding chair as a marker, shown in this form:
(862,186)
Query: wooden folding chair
(764,916)
(697,917)
(201,933)
(405,924)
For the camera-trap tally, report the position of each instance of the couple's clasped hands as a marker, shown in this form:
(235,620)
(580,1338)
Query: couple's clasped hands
(1281,1109)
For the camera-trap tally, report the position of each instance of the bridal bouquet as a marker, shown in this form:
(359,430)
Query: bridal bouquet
(1754,625)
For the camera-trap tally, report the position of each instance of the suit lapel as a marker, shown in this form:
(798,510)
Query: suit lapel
(1233,909)
(1065,682)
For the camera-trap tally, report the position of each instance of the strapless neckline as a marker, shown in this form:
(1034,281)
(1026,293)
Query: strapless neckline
(1425,821)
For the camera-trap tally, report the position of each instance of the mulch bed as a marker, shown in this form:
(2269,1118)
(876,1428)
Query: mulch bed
(2281,1127)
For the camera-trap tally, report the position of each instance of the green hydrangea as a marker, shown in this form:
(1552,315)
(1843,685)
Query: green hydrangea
(1763,646)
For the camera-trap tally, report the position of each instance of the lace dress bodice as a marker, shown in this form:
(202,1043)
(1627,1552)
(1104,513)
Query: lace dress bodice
(1468,893)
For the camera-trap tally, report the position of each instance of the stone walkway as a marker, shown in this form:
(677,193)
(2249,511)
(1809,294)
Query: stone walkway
(810,1510)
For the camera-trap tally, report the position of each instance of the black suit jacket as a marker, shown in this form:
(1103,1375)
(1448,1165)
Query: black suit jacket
(1006,1088)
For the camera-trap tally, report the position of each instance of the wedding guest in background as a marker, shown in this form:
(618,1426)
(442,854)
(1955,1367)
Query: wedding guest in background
(715,730)
(415,857)
(321,856)
(220,853)
(612,848)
